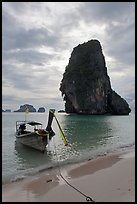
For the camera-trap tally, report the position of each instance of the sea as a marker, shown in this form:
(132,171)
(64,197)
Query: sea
(89,136)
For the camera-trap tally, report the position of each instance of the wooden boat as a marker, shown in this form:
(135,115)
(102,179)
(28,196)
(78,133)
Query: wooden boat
(31,133)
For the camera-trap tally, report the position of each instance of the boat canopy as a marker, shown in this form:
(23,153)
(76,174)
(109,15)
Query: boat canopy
(33,123)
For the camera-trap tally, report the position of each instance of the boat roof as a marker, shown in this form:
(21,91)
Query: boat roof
(33,123)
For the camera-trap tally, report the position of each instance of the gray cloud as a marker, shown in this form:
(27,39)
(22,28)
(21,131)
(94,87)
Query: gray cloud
(27,56)
(119,19)
(123,48)
(106,12)
(19,38)
(38,37)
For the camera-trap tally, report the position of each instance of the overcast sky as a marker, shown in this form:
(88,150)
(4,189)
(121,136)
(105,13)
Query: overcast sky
(38,38)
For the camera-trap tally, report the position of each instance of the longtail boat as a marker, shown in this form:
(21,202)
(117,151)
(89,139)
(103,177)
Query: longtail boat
(31,133)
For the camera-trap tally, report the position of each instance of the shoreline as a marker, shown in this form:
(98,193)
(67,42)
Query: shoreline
(107,178)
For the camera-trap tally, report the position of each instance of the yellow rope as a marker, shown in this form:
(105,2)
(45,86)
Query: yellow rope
(61,132)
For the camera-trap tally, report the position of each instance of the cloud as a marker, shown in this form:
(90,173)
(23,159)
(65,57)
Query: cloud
(20,38)
(38,38)
(107,12)
(123,49)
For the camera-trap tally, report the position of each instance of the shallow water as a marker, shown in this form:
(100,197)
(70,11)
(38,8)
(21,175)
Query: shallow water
(88,136)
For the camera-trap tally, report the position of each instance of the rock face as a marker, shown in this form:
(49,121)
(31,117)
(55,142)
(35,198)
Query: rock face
(86,86)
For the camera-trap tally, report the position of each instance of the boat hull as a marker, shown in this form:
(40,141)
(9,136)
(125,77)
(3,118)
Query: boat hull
(33,140)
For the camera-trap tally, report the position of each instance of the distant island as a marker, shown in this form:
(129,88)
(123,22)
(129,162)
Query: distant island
(61,111)
(30,108)
(41,110)
(23,108)
(7,110)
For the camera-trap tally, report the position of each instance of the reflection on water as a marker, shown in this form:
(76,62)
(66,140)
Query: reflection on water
(87,135)
(91,135)
(86,131)
(30,157)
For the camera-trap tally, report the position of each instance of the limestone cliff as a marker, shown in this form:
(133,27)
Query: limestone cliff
(86,86)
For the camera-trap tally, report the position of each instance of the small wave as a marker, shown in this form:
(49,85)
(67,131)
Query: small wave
(18,178)
(127,145)
(45,169)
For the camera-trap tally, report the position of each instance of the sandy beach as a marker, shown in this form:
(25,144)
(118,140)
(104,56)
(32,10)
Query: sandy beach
(109,178)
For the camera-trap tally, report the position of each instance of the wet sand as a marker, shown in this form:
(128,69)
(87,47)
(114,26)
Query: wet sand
(108,178)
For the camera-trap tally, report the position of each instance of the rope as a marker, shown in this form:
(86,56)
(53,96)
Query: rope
(88,198)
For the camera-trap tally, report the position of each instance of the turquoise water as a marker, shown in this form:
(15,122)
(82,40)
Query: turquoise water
(88,137)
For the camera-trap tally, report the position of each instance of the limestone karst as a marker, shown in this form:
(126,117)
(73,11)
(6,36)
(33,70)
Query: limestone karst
(86,86)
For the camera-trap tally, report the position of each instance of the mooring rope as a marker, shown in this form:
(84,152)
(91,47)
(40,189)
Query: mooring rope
(88,198)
